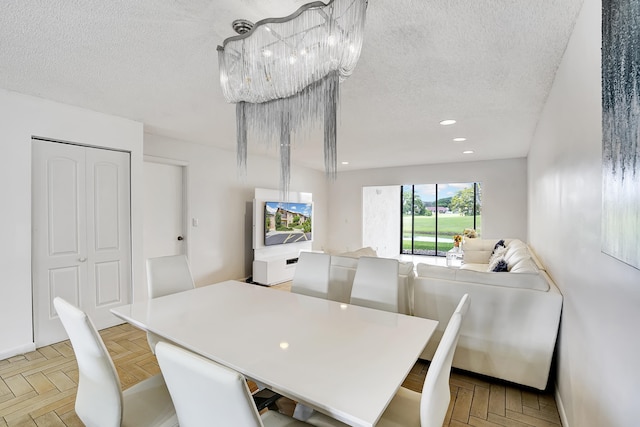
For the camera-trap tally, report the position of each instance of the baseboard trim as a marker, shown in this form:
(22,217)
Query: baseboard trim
(17,350)
(561,411)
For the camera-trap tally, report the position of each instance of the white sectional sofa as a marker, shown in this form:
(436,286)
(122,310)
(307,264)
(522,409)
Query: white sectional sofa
(511,327)
(343,270)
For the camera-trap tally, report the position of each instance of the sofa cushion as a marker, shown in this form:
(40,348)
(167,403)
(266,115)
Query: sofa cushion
(511,280)
(367,251)
(516,256)
(435,271)
(344,261)
(405,268)
(525,265)
(478,251)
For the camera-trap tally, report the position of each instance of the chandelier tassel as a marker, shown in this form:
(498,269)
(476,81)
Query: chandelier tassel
(285,156)
(241,131)
(330,125)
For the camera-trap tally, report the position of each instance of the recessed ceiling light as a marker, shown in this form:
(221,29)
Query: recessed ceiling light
(468,152)
(447,122)
(345,163)
(459,139)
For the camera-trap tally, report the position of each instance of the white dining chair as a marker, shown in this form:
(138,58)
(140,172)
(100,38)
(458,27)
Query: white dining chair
(167,275)
(99,400)
(375,284)
(206,393)
(429,408)
(311,276)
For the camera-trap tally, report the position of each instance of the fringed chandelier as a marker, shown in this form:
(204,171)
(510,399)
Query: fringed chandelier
(283,74)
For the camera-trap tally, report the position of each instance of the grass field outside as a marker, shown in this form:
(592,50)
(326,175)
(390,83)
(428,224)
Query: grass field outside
(424,235)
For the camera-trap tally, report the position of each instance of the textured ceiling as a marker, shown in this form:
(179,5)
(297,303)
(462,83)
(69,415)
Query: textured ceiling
(487,63)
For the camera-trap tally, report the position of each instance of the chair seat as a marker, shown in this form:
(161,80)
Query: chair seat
(276,419)
(403,411)
(148,403)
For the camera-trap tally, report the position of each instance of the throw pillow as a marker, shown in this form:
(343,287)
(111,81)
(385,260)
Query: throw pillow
(501,266)
(497,255)
(500,243)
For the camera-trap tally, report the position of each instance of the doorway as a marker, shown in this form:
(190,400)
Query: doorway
(165,228)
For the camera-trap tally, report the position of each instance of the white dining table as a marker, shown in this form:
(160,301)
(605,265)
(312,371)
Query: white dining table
(340,359)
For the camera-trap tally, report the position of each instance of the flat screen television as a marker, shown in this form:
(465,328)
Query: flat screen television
(287,222)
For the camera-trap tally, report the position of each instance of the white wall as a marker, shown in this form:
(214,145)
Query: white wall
(23,117)
(504,198)
(598,373)
(220,248)
(381,219)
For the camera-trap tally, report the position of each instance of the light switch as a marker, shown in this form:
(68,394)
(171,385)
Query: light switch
(194,222)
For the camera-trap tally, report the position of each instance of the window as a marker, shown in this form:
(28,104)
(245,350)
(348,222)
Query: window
(433,213)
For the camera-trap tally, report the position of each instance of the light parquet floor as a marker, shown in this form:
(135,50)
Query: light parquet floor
(38,388)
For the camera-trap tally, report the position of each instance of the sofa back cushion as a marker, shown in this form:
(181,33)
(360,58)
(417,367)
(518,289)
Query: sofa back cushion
(525,275)
(478,251)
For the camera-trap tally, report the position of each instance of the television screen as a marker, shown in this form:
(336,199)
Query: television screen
(286,222)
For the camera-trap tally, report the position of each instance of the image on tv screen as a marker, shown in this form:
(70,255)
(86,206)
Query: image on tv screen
(286,222)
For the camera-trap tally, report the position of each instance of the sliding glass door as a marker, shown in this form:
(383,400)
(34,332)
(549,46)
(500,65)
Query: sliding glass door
(432,214)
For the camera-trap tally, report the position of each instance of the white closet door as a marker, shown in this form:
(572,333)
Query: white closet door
(81,237)
(108,235)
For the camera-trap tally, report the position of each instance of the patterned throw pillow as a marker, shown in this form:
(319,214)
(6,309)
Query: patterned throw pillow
(501,266)
(497,255)
(499,244)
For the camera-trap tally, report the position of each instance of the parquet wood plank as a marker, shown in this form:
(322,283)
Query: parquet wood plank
(67,407)
(18,385)
(61,381)
(49,352)
(40,382)
(461,382)
(530,399)
(549,416)
(50,419)
(497,399)
(513,399)
(453,391)
(462,405)
(62,400)
(70,419)
(64,348)
(33,355)
(7,397)
(25,366)
(22,421)
(505,422)
(6,407)
(532,420)
(4,389)
(480,403)
(479,422)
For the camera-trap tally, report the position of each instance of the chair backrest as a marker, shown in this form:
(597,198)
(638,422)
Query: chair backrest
(99,397)
(375,284)
(167,275)
(205,393)
(436,394)
(312,274)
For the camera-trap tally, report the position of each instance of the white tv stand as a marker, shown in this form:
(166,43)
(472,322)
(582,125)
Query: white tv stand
(274,269)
